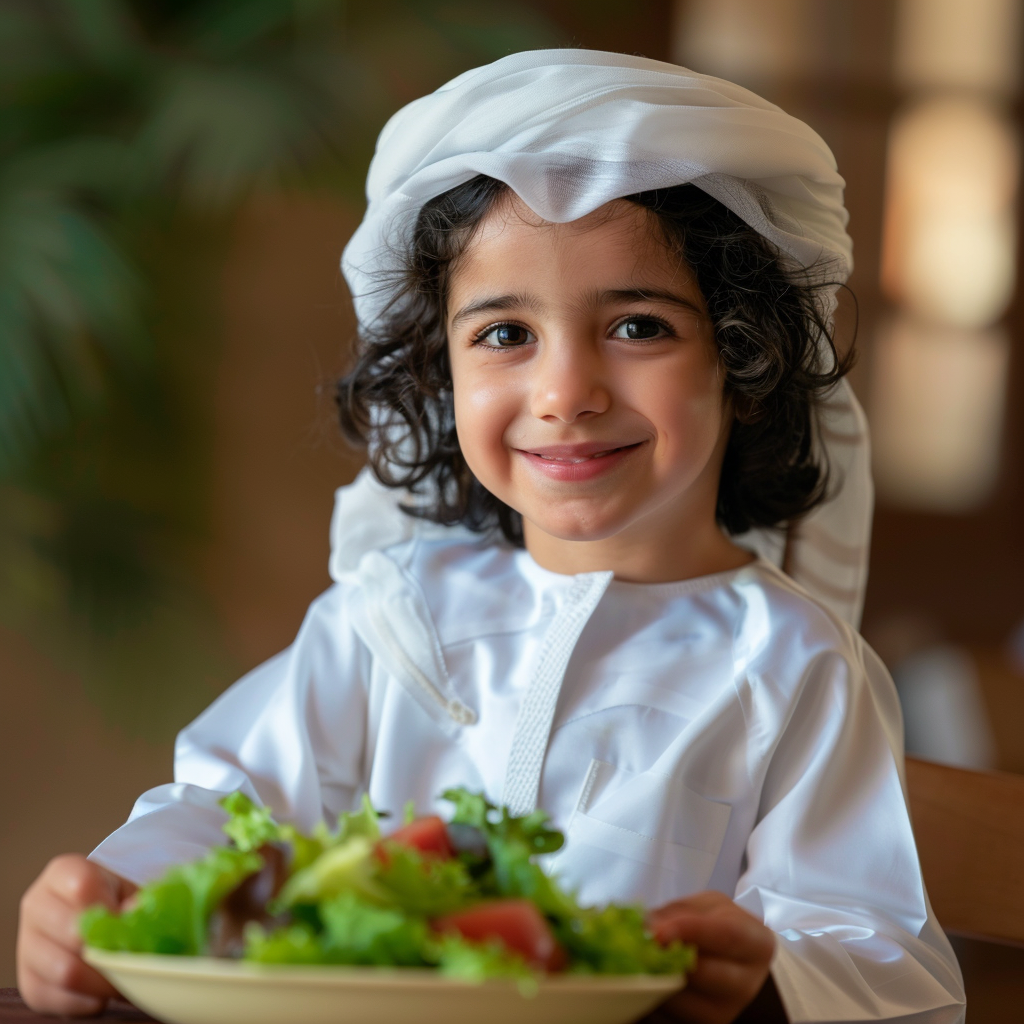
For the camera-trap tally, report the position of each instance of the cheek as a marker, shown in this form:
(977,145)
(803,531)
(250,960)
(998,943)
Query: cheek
(688,411)
(484,408)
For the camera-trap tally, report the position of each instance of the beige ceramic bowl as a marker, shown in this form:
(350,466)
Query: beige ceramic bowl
(203,990)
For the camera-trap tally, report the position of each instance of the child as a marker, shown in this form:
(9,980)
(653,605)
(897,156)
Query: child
(594,295)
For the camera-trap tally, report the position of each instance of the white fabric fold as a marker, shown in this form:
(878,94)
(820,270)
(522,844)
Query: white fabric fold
(570,130)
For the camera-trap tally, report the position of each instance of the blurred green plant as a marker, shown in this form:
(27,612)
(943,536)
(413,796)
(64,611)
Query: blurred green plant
(129,133)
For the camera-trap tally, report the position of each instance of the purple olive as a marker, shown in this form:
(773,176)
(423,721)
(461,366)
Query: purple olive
(248,902)
(468,839)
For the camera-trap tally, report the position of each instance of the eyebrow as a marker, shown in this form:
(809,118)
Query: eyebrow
(652,295)
(495,304)
(503,303)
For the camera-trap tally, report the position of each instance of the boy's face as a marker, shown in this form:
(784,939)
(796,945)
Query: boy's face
(588,394)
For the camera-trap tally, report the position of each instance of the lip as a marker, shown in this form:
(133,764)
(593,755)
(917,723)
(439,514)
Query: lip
(578,462)
(577,452)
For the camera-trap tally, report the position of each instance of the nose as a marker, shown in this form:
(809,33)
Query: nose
(569,381)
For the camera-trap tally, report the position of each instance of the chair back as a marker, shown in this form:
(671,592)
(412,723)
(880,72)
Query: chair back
(970,835)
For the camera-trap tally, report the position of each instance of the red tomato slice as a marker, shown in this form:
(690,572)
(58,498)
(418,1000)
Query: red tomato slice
(428,835)
(516,923)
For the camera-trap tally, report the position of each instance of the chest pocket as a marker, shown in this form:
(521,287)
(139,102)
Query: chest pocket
(639,838)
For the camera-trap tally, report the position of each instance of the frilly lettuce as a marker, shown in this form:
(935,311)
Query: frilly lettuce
(352,897)
(171,915)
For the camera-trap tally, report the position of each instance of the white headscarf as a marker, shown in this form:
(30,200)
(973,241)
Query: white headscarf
(570,130)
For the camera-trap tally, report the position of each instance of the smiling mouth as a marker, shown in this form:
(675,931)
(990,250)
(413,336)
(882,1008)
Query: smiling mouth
(572,460)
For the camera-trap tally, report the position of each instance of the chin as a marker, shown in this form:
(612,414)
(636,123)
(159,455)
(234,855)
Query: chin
(575,529)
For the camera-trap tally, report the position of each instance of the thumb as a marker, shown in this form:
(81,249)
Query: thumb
(79,882)
(128,895)
(111,888)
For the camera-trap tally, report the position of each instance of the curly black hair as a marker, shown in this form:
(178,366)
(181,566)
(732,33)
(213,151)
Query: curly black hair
(774,339)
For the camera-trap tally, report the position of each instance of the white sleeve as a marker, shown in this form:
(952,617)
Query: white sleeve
(832,866)
(290,734)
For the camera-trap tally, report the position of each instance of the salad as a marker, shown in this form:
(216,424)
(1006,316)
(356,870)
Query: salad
(467,897)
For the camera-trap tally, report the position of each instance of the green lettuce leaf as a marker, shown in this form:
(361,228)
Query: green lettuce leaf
(477,961)
(425,886)
(171,915)
(364,822)
(348,866)
(357,932)
(471,808)
(513,842)
(516,875)
(531,830)
(249,826)
(292,944)
(353,932)
(615,940)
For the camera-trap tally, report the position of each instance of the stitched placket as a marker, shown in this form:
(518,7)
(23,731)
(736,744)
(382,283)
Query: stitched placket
(533,724)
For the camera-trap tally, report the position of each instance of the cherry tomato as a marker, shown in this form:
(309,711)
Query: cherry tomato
(428,835)
(516,923)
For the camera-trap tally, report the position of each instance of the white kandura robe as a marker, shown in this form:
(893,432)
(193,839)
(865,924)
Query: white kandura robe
(719,733)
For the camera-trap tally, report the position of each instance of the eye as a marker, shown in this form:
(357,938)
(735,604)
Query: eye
(642,328)
(504,336)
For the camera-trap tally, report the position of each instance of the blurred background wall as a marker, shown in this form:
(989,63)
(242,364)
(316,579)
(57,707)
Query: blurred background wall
(177,181)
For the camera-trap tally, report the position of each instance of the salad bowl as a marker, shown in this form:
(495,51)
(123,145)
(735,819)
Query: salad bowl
(208,990)
(448,922)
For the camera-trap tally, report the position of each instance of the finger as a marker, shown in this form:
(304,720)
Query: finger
(700,902)
(59,968)
(697,1008)
(43,997)
(727,939)
(50,916)
(733,937)
(726,978)
(81,883)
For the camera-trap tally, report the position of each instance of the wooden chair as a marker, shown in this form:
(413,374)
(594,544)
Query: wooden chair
(970,835)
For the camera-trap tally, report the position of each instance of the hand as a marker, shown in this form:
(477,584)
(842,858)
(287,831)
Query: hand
(734,950)
(52,976)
